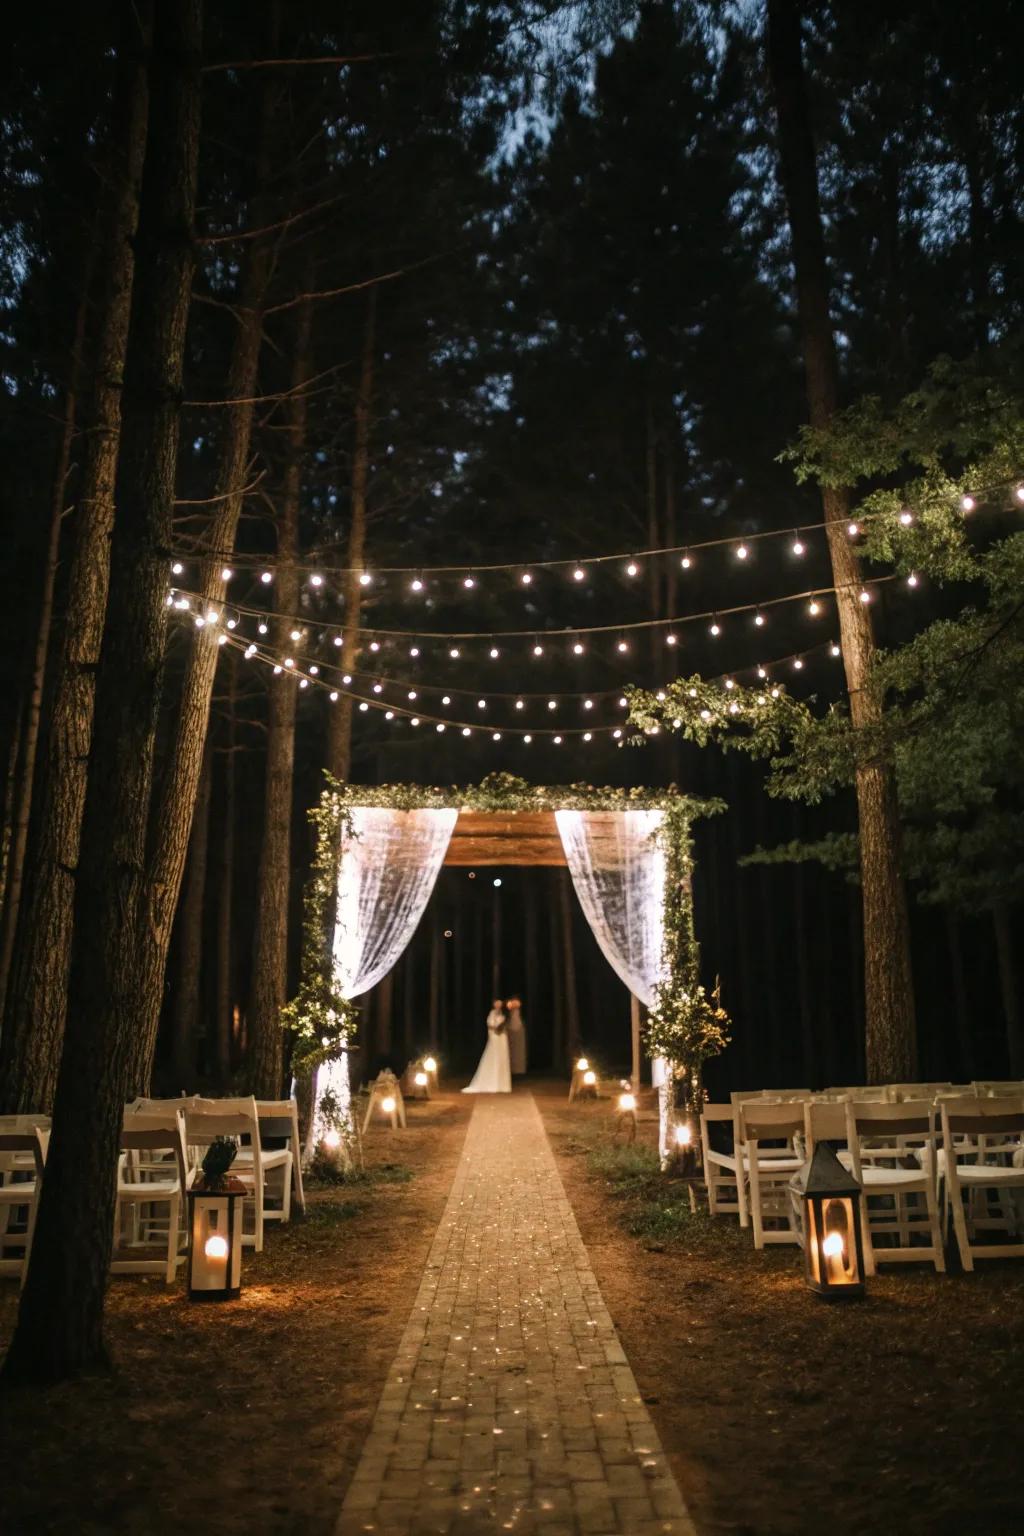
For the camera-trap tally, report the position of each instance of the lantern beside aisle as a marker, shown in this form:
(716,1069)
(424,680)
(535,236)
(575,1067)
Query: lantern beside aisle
(215,1239)
(830,1206)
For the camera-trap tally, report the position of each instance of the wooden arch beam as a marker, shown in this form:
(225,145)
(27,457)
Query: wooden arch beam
(483,838)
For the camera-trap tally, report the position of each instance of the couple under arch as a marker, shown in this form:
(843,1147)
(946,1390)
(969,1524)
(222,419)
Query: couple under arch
(505,1052)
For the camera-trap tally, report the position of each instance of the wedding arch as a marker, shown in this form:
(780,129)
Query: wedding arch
(380,850)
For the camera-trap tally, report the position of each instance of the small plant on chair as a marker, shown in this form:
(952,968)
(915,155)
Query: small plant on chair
(220,1154)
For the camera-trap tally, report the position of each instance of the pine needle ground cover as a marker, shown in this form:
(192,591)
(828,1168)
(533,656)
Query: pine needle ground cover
(782,1415)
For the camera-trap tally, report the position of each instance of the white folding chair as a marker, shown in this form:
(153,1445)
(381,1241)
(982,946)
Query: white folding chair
(206,1119)
(893,1153)
(768,1166)
(151,1176)
(721,1169)
(993,1088)
(22,1160)
(769,1095)
(279,1118)
(989,1134)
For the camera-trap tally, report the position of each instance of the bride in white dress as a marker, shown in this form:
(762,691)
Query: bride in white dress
(494,1074)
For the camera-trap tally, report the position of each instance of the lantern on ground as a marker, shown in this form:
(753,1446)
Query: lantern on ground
(830,1205)
(215,1239)
(430,1068)
(583,1065)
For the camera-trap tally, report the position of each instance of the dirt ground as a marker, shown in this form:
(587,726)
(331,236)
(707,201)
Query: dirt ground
(902,1413)
(249,1416)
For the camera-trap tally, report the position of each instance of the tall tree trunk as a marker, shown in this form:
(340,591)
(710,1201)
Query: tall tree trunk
(41,650)
(60,1323)
(572,1007)
(224,990)
(185,1018)
(10,794)
(890,1046)
(339,722)
(37,998)
(1008,986)
(173,822)
(270,940)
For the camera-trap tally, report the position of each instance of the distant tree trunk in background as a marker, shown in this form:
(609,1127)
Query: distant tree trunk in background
(37,997)
(572,1007)
(185,1016)
(531,974)
(890,1045)
(961,997)
(339,721)
(37,680)
(1006,950)
(60,1324)
(411,1034)
(173,821)
(434,1003)
(10,792)
(224,990)
(559,1055)
(270,940)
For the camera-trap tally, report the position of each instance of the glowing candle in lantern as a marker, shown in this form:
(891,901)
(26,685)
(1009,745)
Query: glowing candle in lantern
(216,1247)
(388,1105)
(420,1079)
(332,1140)
(582,1064)
(430,1063)
(627,1102)
(590,1079)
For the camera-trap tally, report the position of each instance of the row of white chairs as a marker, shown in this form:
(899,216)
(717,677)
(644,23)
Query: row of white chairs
(163,1142)
(961,1152)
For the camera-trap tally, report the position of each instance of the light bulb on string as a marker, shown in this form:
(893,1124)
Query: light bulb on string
(481,703)
(538,650)
(577,649)
(440,727)
(296,634)
(222,639)
(414,651)
(912,579)
(446,699)
(277,670)
(814,607)
(316,580)
(364,707)
(314,670)
(177,568)
(853,529)
(588,703)
(864,595)
(494,653)
(250,651)
(411,695)
(496,736)
(552,703)
(759,620)
(557,740)
(761,672)
(671,639)
(834,649)
(797,545)
(967,503)
(334,695)
(686,562)
(416,584)
(266,577)
(798,663)
(741,552)
(527,739)
(289,662)
(200,621)
(347,678)
(520,704)
(729,683)
(262,629)
(378,688)
(906,517)
(632,568)
(365,578)
(587,736)
(338,641)
(466,731)
(469,581)
(232,623)
(414,720)
(579,574)
(303,682)
(526,578)
(374,645)
(454,653)
(389,714)
(616,734)
(1018,492)
(623,703)
(623,646)
(716,628)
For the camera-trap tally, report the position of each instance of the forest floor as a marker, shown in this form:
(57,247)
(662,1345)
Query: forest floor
(781,1415)
(247,1416)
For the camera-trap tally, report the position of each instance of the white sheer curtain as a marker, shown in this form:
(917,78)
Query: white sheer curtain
(389,866)
(617,866)
(618,872)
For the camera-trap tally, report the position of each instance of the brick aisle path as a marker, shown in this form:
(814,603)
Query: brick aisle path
(510,1405)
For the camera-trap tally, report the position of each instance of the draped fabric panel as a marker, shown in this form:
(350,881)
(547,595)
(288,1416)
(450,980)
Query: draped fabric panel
(389,867)
(618,872)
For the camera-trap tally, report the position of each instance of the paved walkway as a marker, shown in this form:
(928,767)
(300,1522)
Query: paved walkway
(510,1405)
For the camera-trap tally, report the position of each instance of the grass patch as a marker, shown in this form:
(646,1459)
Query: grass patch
(652,1206)
(327,1176)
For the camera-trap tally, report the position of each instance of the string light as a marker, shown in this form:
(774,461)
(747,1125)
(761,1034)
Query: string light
(1018,492)
(716,628)
(912,580)
(454,653)
(316,580)
(797,545)
(339,641)
(835,649)
(741,552)
(967,503)
(864,595)
(759,620)
(416,584)
(906,517)
(632,568)
(579,574)
(538,650)
(494,653)
(414,651)
(686,562)
(526,578)
(814,607)
(469,582)
(671,639)
(622,647)
(177,568)
(577,649)
(853,529)
(446,700)
(266,577)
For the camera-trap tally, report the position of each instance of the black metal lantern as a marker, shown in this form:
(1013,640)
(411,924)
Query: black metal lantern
(215,1239)
(830,1202)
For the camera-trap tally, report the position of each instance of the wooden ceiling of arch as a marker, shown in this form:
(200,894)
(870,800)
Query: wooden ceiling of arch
(483,838)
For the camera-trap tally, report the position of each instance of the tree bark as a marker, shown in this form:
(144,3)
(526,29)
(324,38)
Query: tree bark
(1006,951)
(270,940)
(37,1000)
(225,992)
(41,650)
(173,822)
(890,1045)
(60,1323)
(185,1017)
(339,722)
